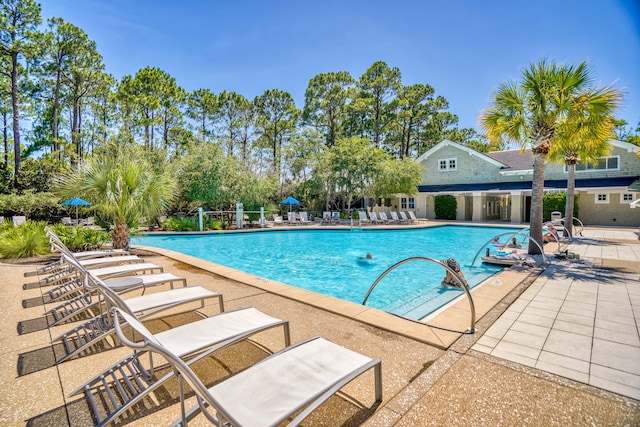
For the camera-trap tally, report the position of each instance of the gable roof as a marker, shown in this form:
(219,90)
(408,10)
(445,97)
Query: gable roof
(448,143)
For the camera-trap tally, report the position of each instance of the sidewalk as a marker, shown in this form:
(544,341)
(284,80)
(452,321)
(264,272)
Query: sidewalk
(579,322)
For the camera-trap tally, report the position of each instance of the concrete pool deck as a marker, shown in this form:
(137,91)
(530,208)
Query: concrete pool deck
(431,376)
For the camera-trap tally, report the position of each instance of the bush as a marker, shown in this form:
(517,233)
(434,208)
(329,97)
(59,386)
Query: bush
(445,207)
(191,224)
(81,239)
(25,241)
(35,206)
(557,202)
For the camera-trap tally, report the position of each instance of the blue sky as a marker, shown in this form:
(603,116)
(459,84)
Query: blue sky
(463,48)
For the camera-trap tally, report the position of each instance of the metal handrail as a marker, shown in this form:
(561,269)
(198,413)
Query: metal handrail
(460,279)
(564,220)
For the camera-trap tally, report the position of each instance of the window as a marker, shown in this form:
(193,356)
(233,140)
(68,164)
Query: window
(627,198)
(412,203)
(447,164)
(604,163)
(403,203)
(602,198)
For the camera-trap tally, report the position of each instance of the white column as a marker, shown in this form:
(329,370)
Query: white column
(516,207)
(478,207)
(461,209)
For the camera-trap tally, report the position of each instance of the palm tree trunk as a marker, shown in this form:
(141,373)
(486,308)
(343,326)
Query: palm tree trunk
(537,196)
(120,236)
(571,189)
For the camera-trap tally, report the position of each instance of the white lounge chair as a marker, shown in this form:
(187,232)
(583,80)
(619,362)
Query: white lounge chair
(394,217)
(373,217)
(362,218)
(383,217)
(292,219)
(304,218)
(190,343)
(326,217)
(412,216)
(91,301)
(298,378)
(403,217)
(18,220)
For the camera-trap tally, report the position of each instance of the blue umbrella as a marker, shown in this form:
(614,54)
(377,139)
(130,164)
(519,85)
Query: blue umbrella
(290,201)
(76,201)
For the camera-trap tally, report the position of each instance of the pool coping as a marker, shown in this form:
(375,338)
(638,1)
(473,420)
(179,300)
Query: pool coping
(440,329)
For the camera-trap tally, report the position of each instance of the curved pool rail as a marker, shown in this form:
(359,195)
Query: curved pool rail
(465,285)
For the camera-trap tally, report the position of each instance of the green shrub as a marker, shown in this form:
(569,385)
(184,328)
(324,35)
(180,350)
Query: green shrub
(445,207)
(81,239)
(35,206)
(24,241)
(191,224)
(557,202)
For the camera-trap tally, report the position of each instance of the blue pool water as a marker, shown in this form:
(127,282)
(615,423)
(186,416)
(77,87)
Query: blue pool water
(332,262)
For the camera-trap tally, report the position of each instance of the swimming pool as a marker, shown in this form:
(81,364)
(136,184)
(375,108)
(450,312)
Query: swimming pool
(333,261)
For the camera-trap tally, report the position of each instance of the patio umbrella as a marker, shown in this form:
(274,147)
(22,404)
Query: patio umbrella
(76,201)
(290,201)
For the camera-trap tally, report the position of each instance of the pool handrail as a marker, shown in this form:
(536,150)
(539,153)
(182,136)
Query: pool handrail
(460,279)
(512,234)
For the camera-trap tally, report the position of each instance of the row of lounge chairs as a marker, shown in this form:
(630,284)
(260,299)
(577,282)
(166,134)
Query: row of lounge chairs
(381,218)
(290,383)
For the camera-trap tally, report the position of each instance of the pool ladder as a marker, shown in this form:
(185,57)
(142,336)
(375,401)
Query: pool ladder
(465,285)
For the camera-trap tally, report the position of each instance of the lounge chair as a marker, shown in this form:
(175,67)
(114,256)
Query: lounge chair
(373,217)
(292,219)
(129,382)
(403,217)
(383,217)
(362,218)
(412,216)
(298,378)
(75,286)
(100,325)
(394,217)
(18,220)
(304,218)
(326,217)
(335,217)
(66,220)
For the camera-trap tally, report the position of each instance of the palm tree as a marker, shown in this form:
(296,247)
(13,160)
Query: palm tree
(585,139)
(548,102)
(122,189)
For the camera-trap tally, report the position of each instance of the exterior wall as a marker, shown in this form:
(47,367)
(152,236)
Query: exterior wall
(629,166)
(470,168)
(613,213)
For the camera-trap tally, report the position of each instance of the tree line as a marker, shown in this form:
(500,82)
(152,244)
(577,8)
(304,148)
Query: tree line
(53,77)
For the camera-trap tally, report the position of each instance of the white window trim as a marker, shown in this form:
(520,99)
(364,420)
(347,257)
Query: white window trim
(631,199)
(602,202)
(447,168)
(597,170)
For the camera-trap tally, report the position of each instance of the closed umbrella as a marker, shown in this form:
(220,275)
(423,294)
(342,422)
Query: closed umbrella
(290,201)
(76,201)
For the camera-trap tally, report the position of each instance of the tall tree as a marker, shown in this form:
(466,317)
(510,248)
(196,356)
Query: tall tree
(585,137)
(18,22)
(236,118)
(276,118)
(149,99)
(354,163)
(325,103)
(378,88)
(548,100)
(202,107)
(60,44)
